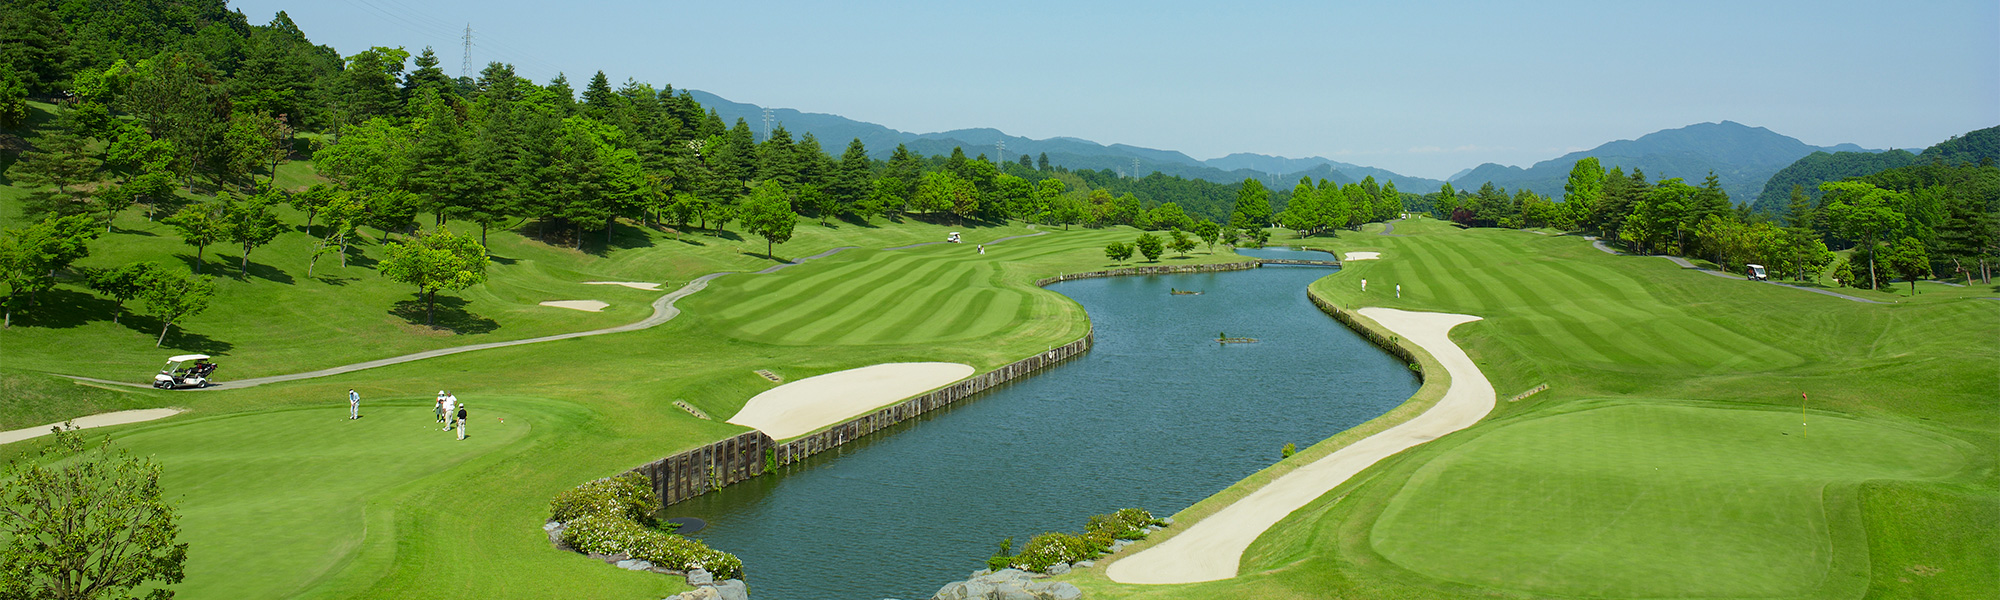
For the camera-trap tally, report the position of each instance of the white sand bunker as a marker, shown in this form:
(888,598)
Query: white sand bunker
(86,422)
(583,305)
(637,285)
(1362,256)
(799,407)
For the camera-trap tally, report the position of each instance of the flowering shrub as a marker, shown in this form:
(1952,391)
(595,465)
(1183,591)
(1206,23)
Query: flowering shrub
(1051,548)
(1126,524)
(605,533)
(614,516)
(630,495)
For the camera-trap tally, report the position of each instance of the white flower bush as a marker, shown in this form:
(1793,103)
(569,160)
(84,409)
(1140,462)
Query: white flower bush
(614,516)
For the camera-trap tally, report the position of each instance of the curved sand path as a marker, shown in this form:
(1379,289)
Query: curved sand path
(799,407)
(1210,549)
(89,421)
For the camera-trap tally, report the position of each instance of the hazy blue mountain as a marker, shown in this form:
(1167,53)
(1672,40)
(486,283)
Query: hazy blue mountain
(1742,157)
(1973,147)
(835,131)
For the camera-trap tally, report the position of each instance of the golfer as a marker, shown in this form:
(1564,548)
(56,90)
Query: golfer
(450,404)
(461,422)
(353,404)
(1399,290)
(1364,285)
(439,409)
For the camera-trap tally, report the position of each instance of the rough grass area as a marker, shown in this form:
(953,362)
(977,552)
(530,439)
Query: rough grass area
(1682,477)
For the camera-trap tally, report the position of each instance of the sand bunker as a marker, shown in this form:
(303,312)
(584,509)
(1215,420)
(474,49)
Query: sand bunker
(1362,256)
(583,305)
(799,407)
(1210,549)
(637,285)
(98,420)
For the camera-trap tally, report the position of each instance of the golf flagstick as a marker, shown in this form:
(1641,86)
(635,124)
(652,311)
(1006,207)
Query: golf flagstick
(1803,399)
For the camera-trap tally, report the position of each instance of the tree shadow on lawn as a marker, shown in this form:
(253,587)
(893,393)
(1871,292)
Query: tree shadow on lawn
(64,309)
(450,314)
(268,273)
(178,337)
(857,221)
(498,259)
(338,280)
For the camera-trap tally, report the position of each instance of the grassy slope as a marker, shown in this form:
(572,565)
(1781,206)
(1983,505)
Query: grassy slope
(1546,499)
(590,407)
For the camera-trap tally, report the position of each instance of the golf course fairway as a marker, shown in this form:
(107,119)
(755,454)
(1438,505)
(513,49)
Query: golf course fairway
(1656,500)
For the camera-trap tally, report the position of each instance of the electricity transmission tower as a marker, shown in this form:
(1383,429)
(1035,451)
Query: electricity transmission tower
(1001,148)
(1135,168)
(465,63)
(767,124)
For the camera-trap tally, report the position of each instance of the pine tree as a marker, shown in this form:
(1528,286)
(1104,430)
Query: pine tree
(427,77)
(850,185)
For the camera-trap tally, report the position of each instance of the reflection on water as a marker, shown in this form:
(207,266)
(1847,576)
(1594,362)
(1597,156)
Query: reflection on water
(1157,416)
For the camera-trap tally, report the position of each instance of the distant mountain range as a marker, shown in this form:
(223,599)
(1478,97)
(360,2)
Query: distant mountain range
(1742,158)
(834,131)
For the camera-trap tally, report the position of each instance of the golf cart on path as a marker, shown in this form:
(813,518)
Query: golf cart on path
(195,375)
(1755,273)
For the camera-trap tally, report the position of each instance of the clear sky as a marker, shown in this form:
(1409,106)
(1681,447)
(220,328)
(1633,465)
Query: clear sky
(1421,88)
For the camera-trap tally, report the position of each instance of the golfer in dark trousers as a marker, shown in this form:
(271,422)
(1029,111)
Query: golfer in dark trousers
(461,421)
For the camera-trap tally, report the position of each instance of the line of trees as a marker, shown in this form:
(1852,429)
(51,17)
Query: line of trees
(1909,222)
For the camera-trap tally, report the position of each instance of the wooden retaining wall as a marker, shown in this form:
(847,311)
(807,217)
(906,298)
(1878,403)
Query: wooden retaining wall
(695,472)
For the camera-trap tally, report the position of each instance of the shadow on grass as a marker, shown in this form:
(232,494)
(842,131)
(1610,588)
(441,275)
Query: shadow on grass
(178,337)
(335,279)
(63,309)
(269,273)
(857,221)
(450,315)
(502,260)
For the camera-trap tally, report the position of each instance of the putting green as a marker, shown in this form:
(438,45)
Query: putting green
(284,501)
(1654,501)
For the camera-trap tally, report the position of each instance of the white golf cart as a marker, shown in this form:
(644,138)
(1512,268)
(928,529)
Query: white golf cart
(1755,273)
(952,239)
(176,376)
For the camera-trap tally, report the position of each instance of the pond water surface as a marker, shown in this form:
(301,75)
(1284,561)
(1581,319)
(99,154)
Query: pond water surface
(1156,415)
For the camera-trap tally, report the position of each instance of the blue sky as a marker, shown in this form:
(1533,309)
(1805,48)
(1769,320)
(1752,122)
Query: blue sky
(1422,88)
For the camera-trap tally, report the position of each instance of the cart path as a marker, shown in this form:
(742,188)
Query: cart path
(663,311)
(1211,548)
(1600,245)
(89,421)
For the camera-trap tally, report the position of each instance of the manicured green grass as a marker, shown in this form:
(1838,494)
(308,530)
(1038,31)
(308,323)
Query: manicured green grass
(1658,501)
(1666,459)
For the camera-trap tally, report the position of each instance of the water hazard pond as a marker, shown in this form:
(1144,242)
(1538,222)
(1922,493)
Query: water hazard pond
(1156,416)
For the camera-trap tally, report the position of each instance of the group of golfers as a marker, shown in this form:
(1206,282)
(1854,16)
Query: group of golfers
(450,411)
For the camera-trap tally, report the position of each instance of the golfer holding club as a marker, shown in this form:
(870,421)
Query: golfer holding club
(353,404)
(461,422)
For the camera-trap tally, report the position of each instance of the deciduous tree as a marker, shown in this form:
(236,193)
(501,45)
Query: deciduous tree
(175,294)
(435,261)
(85,522)
(767,213)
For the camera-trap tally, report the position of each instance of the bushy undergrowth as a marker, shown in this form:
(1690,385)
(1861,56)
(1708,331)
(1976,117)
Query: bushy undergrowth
(606,533)
(630,495)
(1045,550)
(614,516)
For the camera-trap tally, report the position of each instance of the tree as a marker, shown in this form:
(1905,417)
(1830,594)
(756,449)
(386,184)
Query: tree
(1042,162)
(438,260)
(1907,256)
(1150,246)
(1253,206)
(175,294)
(30,257)
(1179,242)
(1207,231)
(121,284)
(61,161)
(1118,251)
(943,191)
(850,186)
(767,213)
(250,223)
(85,522)
(1861,212)
(1581,193)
